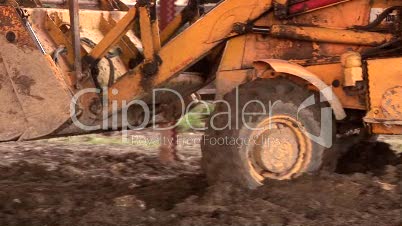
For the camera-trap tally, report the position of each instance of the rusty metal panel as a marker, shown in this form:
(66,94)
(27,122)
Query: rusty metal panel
(40,93)
(330,73)
(11,25)
(43,97)
(12,119)
(386,129)
(233,54)
(385,93)
(228,80)
(305,52)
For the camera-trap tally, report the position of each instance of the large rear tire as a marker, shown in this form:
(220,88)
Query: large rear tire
(281,148)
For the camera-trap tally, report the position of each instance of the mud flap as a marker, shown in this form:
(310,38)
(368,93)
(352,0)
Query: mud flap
(35,99)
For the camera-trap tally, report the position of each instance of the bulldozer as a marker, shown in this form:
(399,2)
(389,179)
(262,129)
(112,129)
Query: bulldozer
(291,76)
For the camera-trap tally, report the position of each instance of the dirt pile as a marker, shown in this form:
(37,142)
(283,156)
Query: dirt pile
(53,184)
(327,199)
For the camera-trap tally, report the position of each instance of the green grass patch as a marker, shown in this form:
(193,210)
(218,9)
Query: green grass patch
(195,119)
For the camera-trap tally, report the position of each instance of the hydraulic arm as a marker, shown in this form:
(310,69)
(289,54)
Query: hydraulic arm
(186,48)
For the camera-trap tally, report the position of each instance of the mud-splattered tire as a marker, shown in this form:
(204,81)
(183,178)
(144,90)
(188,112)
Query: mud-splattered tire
(288,153)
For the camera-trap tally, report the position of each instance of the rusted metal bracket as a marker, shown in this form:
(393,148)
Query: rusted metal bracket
(112,37)
(52,27)
(146,32)
(149,42)
(155,27)
(129,52)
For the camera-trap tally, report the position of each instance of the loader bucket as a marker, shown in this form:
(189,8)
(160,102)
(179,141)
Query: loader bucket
(35,99)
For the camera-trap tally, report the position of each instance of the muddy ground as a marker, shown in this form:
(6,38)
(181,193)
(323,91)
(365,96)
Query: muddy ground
(87,181)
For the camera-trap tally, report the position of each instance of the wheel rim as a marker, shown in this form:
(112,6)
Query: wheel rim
(279,149)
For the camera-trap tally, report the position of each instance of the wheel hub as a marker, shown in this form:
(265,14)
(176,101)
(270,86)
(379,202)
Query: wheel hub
(280,148)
